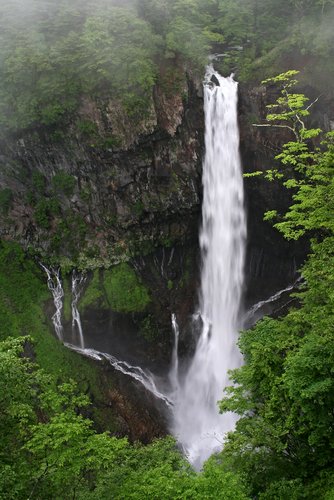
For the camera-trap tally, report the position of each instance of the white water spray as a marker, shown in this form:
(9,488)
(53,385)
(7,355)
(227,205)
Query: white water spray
(55,287)
(196,420)
(77,282)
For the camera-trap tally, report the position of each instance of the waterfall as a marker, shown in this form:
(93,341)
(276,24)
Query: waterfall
(144,377)
(174,370)
(55,287)
(197,423)
(77,282)
(256,311)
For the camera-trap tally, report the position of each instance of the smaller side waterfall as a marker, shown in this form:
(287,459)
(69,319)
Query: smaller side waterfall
(55,286)
(77,282)
(135,372)
(257,310)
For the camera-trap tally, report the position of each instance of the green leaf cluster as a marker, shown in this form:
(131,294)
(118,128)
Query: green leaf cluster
(284,393)
(47,449)
(50,450)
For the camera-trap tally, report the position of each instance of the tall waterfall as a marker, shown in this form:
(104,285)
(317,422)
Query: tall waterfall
(196,420)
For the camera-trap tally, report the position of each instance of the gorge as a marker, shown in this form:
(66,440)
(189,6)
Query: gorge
(166,314)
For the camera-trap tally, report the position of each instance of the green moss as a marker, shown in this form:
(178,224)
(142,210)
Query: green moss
(138,208)
(23,292)
(93,295)
(167,241)
(87,128)
(111,141)
(124,291)
(85,194)
(70,234)
(149,329)
(38,182)
(64,183)
(170,284)
(138,245)
(45,209)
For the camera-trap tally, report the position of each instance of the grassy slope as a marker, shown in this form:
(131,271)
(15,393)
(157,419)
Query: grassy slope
(23,293)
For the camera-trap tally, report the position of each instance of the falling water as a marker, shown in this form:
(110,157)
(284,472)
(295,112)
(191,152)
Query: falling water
(174,370)
(256,311)
(135,372)
(77,282)
(55,286)
(196,420)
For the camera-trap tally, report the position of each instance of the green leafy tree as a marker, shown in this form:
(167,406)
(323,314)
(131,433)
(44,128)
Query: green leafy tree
(48,450)
(284,393)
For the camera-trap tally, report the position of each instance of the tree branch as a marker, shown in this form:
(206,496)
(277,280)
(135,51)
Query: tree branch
(273,125)
(315,100)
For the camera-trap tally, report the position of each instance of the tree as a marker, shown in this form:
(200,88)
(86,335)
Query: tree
(284,393)
(47,450)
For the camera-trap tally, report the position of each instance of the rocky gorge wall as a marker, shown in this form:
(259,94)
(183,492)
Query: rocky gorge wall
(121,201)
(110,187)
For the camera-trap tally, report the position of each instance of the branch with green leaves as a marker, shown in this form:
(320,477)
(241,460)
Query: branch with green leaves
(305,164)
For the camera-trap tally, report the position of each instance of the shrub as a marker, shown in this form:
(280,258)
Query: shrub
(64,183)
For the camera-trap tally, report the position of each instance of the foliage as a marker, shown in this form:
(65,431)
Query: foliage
(284,393)
(117,288)
(159,471)
(64,183)
(48,450)
(119,51)
(39,182)
(149,329)
(23,292)
(53,54)
(45,209)
(308,165)
(93,295)
(70,233)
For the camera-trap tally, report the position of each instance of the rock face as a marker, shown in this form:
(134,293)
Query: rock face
(272,262)
(112,190)
(113,187)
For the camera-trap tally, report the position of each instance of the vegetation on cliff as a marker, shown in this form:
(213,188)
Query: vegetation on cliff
(284,439)
(53,54)
(283,443)
(49,450)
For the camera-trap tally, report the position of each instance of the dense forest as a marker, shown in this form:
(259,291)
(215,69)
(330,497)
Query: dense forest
(55,439)
(54,52)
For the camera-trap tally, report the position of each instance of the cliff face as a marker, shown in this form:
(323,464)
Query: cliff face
(272,261)
(117,188)
(112,187)
(113,190)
